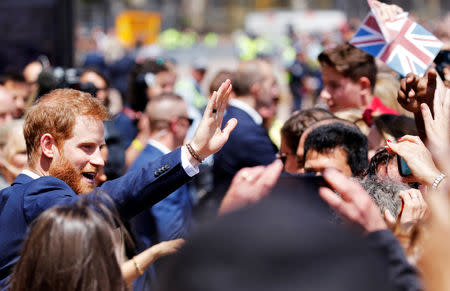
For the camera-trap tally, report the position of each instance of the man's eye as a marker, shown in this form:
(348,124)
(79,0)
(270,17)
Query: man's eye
(87,147)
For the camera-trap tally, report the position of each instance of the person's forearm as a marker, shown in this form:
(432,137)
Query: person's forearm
(130,271)
(137,190)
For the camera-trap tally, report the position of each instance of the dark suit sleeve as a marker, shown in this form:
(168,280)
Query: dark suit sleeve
(401,272)
(142,188)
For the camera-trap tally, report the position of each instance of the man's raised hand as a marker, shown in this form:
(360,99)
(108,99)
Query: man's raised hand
(209,137)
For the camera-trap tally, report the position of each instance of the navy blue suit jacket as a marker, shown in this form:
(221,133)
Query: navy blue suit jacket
(249,145)
(132,193)
(168,219)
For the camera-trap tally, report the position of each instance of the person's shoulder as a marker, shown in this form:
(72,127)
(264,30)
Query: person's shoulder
(43,193)
(245,121)
(47,184)
(235,111)
(148,154)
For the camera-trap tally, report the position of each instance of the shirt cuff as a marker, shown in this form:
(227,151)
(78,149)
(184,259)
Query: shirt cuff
(189,164)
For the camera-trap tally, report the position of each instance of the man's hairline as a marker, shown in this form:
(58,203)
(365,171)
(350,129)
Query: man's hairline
(59,144)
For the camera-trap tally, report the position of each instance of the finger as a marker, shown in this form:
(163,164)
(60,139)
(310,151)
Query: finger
(389,217)
(402,148)
(405,196)
(383,15)
(222,93)
(391,13)
(431,78)
(397,9)
(423,203)
(229,127)
(332,199)
(403,82)
(224,104)
(414,202)
(391,147)
(272,172)
(210,105)
(411,138)
(349,190)
(410,78)
(427,118)
(250,175)
(401,95)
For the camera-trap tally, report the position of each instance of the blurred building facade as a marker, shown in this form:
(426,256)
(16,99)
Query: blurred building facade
(225,16)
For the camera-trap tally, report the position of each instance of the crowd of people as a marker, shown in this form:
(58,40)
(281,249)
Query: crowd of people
(158,185)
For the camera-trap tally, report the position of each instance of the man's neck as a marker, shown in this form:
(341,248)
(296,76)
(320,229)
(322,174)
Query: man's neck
(166,140)
(37,170)
(366,100)
(248,99)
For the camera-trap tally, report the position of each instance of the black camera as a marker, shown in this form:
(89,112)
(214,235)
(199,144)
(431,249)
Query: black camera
(56,78)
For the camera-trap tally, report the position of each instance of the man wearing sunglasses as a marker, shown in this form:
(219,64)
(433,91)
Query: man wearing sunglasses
(170,218)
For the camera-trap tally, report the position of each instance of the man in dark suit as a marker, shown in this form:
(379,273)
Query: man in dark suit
(170,218)
(249,145)
(64,135)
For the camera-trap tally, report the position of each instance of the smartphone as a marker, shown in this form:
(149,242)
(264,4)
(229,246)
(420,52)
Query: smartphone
(403,168)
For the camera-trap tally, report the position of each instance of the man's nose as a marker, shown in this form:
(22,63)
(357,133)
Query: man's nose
(324,94)
(168,89)
(97,159)
(20,103)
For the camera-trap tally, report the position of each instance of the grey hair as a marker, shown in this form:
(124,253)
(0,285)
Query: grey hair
(384,193)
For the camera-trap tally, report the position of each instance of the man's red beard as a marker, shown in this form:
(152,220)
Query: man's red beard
(65,171)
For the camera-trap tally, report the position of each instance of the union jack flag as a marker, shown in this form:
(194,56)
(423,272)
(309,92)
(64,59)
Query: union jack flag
(405,46)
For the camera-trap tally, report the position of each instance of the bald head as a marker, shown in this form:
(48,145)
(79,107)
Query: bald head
(7,105)
(32,71)
(163,108)
(256,78)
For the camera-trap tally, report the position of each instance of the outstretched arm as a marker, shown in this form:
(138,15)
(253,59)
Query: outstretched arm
(140,189)
(133,268)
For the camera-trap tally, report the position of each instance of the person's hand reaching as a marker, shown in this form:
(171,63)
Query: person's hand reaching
(415,90)
(250,185)
(353,205)
(418,158)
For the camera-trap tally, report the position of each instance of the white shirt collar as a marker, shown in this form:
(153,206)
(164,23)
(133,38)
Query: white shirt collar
(247,109)
(30,174)
(159,146)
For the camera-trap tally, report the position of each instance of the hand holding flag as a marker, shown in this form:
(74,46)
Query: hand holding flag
(404,45)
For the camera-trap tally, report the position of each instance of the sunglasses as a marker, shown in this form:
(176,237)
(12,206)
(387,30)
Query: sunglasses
(190,120)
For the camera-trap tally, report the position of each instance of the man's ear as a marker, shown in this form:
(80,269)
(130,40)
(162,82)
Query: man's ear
(365,84)
(254,89)
(173,124)
(48,145)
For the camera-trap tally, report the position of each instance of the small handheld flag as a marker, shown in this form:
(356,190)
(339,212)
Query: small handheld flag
(402,44)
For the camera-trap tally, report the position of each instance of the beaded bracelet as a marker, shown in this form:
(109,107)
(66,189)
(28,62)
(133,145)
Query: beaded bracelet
(193,153)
